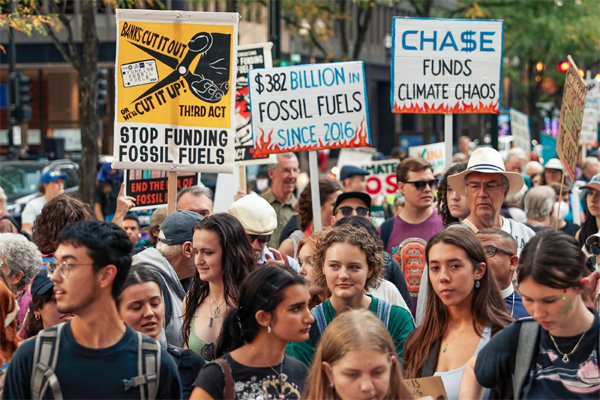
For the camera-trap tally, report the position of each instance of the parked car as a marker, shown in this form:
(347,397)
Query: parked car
(21,179)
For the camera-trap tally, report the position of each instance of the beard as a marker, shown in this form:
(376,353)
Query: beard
(81,303)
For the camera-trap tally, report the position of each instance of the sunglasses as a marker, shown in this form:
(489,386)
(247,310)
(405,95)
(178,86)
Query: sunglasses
(420,185)
(490,251)
(360,211)
(261,238)
(595,249)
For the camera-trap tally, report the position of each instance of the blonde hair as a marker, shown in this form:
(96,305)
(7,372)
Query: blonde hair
(353,330)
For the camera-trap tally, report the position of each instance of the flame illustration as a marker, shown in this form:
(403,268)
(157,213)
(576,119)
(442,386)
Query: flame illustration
(459,108)
(263,145)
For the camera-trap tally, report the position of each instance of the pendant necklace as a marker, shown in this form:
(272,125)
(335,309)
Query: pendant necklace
(565,357)
(461,332)
(278,374)
(213,314)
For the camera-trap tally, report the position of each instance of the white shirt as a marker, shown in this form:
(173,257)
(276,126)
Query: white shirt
(32,210)
(389,292)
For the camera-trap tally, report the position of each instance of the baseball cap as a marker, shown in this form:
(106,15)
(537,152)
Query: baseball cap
(158,216)
(257,216)
(348,171)
(178,227)
(594,183)
(41,284)
(365,197)
(52,175)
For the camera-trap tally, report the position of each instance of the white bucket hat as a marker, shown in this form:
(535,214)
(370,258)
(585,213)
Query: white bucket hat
(554,163)
(488,161)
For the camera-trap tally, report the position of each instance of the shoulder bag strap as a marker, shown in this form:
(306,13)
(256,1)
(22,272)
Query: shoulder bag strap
(383,311)
(228,392)
(525,353)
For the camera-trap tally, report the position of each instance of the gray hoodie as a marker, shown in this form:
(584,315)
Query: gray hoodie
(172,293)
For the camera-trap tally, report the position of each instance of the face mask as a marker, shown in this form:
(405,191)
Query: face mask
(262,184)
(561,210)
(10,317)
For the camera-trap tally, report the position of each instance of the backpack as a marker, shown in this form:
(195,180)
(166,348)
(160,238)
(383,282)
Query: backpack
(17,225)
(45,358)
(386,231)
(383,313)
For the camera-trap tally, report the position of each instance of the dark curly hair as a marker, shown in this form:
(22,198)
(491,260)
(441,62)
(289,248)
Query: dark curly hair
(359,237)
(56,214)
(34,326)
(442,194)
(327,187)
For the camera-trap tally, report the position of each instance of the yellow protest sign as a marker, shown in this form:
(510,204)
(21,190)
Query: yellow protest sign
(571,116)
(175,90)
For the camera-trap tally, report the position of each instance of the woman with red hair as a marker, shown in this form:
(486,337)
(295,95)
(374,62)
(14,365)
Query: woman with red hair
(9,339)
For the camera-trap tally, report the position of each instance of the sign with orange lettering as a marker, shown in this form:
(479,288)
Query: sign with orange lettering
(150,188)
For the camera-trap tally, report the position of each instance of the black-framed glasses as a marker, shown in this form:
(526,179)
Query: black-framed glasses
(347,211)
(261,238)
(490,251)
(420,185)
(64,268)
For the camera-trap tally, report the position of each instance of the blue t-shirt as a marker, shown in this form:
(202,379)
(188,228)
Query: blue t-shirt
(514,303)
(85,373)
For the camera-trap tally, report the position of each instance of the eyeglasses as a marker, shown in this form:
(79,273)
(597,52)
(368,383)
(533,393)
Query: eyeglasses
(490,251)
(288,171)
(64,268)
(474,187)
(347,211)
(420,185)
(261,238)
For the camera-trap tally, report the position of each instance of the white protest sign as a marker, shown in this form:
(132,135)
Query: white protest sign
(382,180)
(519,129)
(309,107)
(448,66)
(433,153)
(355,156)
(591,113)
(175,90)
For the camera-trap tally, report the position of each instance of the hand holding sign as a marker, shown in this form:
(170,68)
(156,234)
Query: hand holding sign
(124,204)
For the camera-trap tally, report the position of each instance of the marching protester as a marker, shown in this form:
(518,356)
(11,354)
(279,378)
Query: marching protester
(501,253)
(197,199)
(131,225)
(539,208)
(561,210)
(329,190)
(9,339)
(158,217)
(589,167)
(259,221)
(223,258)
(173,262)
(52,185)
(43,309)
(92,262)
(515,160)
(555,355)
(353,178)
(7,222)
(306,254)
(107,191)
(464,309)
(141,307)
(591,223)
(20,261)
(348,261)
(252,364)
(356,358)
(452,205)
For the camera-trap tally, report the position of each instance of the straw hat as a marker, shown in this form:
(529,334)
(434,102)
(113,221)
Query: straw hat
(488,161)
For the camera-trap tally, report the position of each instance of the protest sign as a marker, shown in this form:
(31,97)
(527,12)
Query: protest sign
(355,156)
(589,125)
(571,116)
(433,153)
(519,128)
(309,107)
(448,66)
(248,57)
(382,180)
(174,100)
(149,188)
(430,386)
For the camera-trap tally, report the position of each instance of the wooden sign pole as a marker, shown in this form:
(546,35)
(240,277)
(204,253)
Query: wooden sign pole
(314,189)
(172,194)
(243,183)
(448,141)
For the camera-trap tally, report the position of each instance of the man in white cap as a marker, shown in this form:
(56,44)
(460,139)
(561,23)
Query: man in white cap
(259,220)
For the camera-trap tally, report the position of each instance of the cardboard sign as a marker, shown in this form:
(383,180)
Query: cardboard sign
(449,66)
(430,386)
(589,125)
(519,128)
(433,153)
(150,188)
(248,57)
(571,116)
(174,90)
(309,107)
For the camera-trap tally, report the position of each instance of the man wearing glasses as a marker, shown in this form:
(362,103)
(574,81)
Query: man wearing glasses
(259,221)
(406,235)
(95,354)
(349,204)
(501,253)
(280,196)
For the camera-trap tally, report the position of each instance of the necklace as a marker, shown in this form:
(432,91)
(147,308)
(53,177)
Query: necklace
(565,357)
(278,374)
(461,332)
(216,313)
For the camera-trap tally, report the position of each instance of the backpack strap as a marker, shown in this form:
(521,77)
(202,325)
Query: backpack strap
(386,231)
(319,315)
(228,391)
(525,353)
(384,309)
(148,368)
(12,221)
(45,358)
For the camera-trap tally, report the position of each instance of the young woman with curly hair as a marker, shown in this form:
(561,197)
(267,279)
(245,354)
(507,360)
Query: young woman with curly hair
(348,260)
(452,206)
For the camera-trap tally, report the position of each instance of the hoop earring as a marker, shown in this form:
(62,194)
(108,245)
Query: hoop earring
(269,329)
(477,284)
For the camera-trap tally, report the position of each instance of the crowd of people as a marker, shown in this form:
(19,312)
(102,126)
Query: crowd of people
(485,277)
